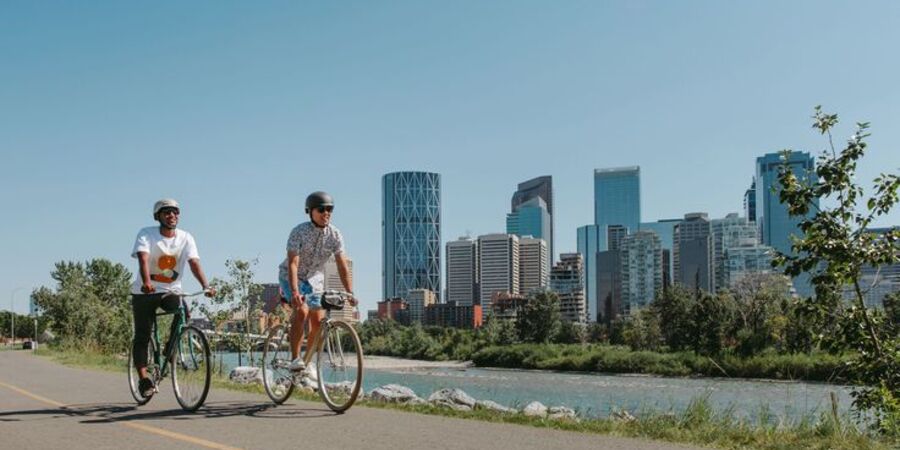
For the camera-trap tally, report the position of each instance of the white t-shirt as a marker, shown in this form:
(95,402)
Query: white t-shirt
(167,258)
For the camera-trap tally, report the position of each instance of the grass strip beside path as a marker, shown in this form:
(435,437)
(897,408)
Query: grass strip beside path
(699,424)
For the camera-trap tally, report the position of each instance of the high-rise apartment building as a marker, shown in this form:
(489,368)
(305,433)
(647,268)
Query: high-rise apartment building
(411,233)
(776,224)
(534,265)
(498,256)
(733,231)
(745,260)
(567,280)
(462,271)
(417,300)
(333,282)
(665,229)
(589,240)
(540,187)
(642,270)
(750,202)
(878,282)
(617,199)
(694,262)
(609,286)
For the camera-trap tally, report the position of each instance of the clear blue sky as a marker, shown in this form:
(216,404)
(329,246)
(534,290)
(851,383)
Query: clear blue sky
(239,109)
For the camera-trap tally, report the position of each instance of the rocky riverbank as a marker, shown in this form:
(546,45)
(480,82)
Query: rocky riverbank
(455,399)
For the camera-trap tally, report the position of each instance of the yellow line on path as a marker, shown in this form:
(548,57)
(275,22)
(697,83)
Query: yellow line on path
(137,426)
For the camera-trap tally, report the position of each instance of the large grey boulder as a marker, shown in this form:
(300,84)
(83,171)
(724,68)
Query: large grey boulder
(246,375)
(535,409)
(622,416)
(493,406)
(452,398)
(561,413)
(394,393)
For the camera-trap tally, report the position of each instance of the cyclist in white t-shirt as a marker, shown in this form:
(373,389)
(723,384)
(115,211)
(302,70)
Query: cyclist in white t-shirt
(161,252)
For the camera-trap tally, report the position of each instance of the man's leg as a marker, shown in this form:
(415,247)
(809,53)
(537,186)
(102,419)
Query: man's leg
(170,303)
(315,321)
(299,318)
(143,308)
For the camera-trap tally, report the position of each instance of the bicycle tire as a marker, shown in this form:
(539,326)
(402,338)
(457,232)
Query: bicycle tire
(191,362)
(134,376)
(277,378)
(339,365)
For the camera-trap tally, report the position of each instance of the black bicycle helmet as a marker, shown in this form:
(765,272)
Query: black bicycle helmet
(317,199)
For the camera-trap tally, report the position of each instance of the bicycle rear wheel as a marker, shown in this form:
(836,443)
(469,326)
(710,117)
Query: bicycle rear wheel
(191,368)
(134,375)
(277,378)
(339,365)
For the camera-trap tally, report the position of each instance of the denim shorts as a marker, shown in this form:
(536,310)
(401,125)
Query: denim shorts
(314,301)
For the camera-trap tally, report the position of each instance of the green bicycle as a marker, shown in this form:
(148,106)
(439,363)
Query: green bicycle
(187,356)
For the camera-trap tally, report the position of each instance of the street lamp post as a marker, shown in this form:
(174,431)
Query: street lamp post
(12,314)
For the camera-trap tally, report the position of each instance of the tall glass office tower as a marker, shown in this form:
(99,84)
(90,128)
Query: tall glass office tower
(530,219)
(540,187)
(617,199)
(773,219)
(411,233)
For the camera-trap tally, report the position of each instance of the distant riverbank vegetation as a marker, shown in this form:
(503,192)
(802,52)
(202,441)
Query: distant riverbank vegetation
(754,332)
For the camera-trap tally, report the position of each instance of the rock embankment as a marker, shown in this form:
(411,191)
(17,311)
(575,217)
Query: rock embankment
(455,399)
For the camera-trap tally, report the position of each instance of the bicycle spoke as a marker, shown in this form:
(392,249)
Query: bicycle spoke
(191,369)
(277,378)
(340,366)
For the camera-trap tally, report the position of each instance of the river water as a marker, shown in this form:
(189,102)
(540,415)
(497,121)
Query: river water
(598,394)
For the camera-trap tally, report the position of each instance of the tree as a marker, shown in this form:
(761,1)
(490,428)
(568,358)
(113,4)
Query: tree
(711,317)
(498,332)
(836,244)
(759,317)
(572,333)
(236,301)
(641,331)
(90,306)
(539,319)
(674,307)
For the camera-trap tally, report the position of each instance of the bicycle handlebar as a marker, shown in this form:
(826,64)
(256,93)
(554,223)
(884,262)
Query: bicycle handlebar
(344,295)
(193,294)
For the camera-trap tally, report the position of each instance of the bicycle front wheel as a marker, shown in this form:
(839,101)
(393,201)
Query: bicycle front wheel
(277,378)
(191,368)
(339,365)
(134,376)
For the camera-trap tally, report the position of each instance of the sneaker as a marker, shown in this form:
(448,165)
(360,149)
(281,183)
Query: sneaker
(311,372)
(146,387)
(297,365)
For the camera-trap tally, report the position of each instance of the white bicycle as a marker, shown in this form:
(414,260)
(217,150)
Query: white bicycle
(339,359)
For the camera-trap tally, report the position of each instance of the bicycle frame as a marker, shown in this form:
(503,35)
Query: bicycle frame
(179,318)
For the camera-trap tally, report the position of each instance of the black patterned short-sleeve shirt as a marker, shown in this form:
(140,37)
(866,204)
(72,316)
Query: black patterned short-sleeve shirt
(314,245)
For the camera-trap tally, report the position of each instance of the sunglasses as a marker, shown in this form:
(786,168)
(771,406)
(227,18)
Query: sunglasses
(167,211)
(324,208)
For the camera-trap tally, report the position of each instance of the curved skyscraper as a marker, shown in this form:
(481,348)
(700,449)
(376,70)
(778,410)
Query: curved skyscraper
(540,187)
(411,232)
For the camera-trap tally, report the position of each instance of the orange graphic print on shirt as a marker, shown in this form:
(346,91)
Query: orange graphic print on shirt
(166,269)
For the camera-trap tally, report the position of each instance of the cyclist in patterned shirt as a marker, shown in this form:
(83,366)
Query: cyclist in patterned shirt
(302,274)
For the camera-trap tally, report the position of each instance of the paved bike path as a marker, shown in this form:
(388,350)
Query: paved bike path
(47,405)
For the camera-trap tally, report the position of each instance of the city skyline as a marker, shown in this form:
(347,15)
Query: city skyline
(240,112)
